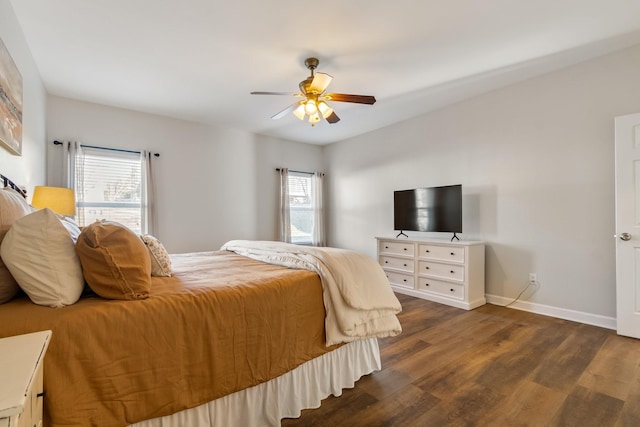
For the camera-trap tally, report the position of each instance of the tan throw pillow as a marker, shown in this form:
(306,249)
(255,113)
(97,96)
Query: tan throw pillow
(160,262)
(115,262)
(39,251)
(8,285)
(12,207)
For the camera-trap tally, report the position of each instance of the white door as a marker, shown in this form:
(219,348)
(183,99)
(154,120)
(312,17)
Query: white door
(627,139)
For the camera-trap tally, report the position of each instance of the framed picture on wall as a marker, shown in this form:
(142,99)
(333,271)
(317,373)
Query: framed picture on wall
(10,103)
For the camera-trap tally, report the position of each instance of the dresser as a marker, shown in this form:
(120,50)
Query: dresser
(21,388)
(447,272)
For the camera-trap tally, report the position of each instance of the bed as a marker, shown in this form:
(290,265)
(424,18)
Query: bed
(229,338)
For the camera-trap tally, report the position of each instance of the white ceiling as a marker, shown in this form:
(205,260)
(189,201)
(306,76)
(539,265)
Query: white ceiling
(199,59)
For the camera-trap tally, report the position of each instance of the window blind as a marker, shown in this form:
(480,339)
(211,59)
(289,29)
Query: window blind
(109,186)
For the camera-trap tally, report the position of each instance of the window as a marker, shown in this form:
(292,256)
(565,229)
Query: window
(301,211)
(109,185)
(301,207)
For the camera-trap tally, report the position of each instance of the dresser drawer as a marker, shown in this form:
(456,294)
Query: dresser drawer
(446,271)
(397,263)
(398,248)
(399,279)
(451,290)
(441,253)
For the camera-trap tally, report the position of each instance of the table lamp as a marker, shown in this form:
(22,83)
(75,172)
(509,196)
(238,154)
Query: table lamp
(59,199)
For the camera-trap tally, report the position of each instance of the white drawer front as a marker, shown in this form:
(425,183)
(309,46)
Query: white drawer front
(446,271)
(451,290)
(404,280)
(397,263)
(442,253)
(399,248)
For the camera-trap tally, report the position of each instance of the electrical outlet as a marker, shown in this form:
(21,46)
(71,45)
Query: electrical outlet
(533,278)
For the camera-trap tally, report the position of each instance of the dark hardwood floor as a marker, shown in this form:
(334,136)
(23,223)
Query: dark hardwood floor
(492,366)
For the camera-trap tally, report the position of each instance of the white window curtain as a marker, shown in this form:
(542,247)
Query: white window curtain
(317,236)
(69,153)
(148,194)
(285,218)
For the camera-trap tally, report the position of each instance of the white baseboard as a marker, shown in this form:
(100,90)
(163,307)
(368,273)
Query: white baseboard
(561,313)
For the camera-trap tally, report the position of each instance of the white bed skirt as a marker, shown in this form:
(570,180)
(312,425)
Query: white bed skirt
(283,397)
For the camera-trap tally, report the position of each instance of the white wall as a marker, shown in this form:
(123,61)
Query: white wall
(27,170)
(536,161)
(213,184)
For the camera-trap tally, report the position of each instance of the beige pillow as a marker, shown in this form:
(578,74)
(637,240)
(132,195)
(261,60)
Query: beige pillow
(39,252)
(160,261)
(115,261)
(12,207)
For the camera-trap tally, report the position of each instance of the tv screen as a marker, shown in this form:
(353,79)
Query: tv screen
(435,209)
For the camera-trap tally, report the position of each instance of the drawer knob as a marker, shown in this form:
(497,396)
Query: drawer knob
(427,267)
(386,247)
(386,262)
(404,249)
(451,289)
(404,265)
(404,280)
(427,251)
(452,271)
(426,284)
(452,253)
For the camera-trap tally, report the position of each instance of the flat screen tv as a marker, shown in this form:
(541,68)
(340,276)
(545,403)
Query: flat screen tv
(432,209)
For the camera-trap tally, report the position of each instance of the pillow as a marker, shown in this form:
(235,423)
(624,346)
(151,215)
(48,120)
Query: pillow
(115,262)
(12,207)
(40,254)
(8,285)
(160,262)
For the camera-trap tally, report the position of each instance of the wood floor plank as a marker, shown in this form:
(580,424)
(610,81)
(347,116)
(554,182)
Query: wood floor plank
(530,404)
(566,363)
(585,408)
(613,369)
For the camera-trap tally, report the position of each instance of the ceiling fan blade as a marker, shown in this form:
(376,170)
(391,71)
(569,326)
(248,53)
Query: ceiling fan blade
(276,93)
(320,82)
(332,118)
(358,99)
(286,111)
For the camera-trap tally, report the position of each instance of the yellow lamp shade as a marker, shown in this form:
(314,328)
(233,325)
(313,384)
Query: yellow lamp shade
(60,200)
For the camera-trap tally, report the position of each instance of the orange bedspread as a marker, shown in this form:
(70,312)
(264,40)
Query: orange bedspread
(221,324)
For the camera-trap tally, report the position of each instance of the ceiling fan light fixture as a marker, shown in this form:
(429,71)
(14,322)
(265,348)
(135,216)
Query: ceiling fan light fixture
(299,111)
(310,107)
(324,108)
(314,118)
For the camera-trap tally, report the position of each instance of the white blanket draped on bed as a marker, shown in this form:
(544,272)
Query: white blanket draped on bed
(358,299)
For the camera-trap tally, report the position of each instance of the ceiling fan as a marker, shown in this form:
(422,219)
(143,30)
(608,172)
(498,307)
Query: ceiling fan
(314,105)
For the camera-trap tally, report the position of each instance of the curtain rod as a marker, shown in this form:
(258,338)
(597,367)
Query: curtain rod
(306,173)
(106,148)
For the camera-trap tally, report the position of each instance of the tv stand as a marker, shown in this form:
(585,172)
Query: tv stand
(454,237)
(402,234)
(450,273)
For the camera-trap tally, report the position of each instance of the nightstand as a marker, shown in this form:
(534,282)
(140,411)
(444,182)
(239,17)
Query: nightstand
(21,391)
